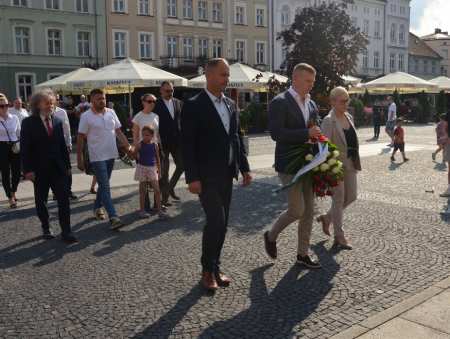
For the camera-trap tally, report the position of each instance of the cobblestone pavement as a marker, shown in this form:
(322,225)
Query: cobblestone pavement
(142,282)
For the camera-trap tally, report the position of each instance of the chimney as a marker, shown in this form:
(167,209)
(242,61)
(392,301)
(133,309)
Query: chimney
(437,30)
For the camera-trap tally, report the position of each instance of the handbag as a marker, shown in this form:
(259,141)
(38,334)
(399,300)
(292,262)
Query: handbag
(15,145)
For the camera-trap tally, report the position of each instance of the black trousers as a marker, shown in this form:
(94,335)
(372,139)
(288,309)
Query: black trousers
(215,199)
(59,185)
(10,168)
(376,129)
(167,185)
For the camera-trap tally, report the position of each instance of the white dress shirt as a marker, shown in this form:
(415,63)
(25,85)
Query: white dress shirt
(62,114)
(11,126)
(224,114)
(171,107)
(20,113)
(304,105)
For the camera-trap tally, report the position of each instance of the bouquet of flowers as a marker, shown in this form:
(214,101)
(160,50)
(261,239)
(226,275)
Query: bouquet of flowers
(317,161)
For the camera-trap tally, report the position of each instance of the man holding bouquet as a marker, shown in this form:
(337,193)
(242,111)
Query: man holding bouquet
(293,120)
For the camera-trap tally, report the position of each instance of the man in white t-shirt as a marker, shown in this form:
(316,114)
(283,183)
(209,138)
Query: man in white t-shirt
(391,119)
(100,126)
(18,110)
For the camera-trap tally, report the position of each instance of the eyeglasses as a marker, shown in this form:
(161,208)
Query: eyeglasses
(4,106)
(150,101)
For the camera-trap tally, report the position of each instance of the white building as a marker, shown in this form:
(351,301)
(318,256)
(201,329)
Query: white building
(385,22)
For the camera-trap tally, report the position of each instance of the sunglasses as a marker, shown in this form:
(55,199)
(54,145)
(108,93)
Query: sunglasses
(4,106)
(150,101)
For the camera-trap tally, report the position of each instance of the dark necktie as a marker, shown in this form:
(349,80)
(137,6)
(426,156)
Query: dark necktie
(49,127)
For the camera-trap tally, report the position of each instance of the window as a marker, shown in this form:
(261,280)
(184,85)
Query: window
(393,8)
(217,12)
(365,59)
(260,53)
(145,45)
(188,51)
(144,7)
(171,46)
(445,53)
(54,42)
(202,10)
(240,50)
(22,37)
(217,48)
(284,54)
(119,6)
(285,17)
(354,21)
(52,4)
(20,3)
(203,48)
(354,8)
(401,34)
(401,62)
(366,27)
(392,63)
(172,8)
(393,33)
(187,9)
(377,12)
(402,10)
(120,44)
(416,66)
(425,67)
(433,67)
(82,6)
(376,59)
(24,84)
(84,44)
(366,11)
(239,18)
(260,17)
(377,32)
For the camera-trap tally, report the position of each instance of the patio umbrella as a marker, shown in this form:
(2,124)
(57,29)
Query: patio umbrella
(126,75)
(60,84)
(401,82)
(442,82)
(350,80)
(242,77)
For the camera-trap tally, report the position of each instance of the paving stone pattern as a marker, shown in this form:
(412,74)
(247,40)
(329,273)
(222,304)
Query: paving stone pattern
(142,282)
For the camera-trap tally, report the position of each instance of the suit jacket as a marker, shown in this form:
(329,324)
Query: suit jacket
(169,128)
(332,129)
(288,127)
(39,151)
(206,143)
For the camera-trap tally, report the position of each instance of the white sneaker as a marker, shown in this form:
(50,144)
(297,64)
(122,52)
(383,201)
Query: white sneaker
(99,214)
(446,194)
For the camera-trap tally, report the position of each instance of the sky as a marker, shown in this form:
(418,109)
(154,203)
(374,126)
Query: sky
(426,15)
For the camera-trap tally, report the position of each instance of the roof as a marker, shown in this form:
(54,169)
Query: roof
(437,35)
(418,47)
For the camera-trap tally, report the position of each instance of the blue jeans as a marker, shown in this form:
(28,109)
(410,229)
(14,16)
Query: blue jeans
(102,171)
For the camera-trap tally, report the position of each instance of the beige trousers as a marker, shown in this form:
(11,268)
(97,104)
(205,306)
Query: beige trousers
(301,209)
(343,195)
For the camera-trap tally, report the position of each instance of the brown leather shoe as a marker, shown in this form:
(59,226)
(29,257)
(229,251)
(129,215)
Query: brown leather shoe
(271,246)
(222,280)
(209,281)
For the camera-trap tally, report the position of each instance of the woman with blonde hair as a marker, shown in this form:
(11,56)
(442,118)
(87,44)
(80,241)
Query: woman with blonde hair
(338,127)
(9,151)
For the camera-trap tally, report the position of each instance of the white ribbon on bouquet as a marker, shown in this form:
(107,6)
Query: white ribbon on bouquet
(319,159)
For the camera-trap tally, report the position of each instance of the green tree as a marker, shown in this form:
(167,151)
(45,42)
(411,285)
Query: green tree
(325,37)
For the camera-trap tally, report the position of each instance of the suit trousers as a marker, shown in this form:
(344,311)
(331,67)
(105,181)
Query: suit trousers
(167,185)
(59,184)
(301,209)
(215,199)
(10,169)
(343,195)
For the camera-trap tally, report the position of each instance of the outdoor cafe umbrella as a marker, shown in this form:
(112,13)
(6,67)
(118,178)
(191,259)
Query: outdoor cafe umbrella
(442,82)
(401,82)
(124,76)
(60,83)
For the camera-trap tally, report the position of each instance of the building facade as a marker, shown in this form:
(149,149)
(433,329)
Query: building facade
(384,22)
(439,41)
(182,34)
(42,39)
(423,62)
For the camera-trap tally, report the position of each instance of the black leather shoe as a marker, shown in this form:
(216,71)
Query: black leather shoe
(69,239)
(308,262)
(48,235)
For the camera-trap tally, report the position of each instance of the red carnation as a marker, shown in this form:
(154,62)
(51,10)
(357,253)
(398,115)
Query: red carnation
(323,138)
(329,193)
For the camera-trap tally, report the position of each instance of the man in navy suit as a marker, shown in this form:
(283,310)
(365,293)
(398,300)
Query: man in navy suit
(46,162)
(213,154)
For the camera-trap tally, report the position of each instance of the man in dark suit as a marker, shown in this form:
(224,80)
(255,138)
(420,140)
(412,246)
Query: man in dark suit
(168,109)
(45,161)
(213,154)
(294,120)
